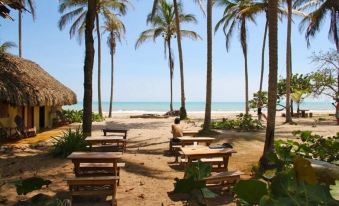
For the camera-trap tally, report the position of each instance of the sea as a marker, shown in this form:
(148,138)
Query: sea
(140,107)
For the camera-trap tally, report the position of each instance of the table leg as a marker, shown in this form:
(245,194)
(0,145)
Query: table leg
(76,168)
(226,158)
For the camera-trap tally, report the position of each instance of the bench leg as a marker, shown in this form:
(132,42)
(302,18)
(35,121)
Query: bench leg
(114,187)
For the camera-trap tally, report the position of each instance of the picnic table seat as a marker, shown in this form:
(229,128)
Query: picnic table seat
(223,179)
(93,186)
(94,169)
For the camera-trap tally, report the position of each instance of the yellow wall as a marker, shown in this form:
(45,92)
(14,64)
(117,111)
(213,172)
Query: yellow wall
(13,111)
(9,121)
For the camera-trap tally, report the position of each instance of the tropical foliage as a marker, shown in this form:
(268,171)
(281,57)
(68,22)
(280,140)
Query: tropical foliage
(311,146)
(4,48)
(194,183)
(70,141)
(163,25)
(243,122)
(314,20)
(77,115)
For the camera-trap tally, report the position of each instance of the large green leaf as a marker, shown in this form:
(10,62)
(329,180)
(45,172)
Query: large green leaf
(30,184)
(334,190)
(250,190)
(198,170)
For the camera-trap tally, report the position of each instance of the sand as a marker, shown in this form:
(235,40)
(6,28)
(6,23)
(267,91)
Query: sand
(149,174)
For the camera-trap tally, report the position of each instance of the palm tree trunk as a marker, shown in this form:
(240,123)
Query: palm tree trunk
(112,80)
(244,50)
(99,63)
(171,67)
(207,121)
(272,83)
(288,63)
(20,33)
(335,17)
(263,56)
(88,68)
(183,113)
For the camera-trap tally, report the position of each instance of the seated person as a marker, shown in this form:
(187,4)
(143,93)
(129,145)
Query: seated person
(177,130)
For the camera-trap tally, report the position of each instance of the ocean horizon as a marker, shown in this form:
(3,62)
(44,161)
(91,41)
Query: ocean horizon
(190,106)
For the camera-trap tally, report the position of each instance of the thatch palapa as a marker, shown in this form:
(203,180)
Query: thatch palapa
(25,83)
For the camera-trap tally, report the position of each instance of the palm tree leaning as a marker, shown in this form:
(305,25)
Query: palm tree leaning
(31,5)
(76,10)
(272,83)
(88,67)
(116,30)
(208,106)
(163,23)
(233,17)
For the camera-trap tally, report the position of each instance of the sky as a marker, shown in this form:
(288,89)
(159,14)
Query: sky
(143,74)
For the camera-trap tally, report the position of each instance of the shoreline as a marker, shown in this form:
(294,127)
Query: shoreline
(199,113)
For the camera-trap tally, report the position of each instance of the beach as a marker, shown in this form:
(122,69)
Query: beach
(148,178)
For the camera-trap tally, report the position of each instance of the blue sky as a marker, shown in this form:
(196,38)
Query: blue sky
(143,74)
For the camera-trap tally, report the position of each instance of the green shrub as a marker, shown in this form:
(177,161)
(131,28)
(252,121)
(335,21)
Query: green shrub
(312,146)
(70,141)
(243,122)
(77,115)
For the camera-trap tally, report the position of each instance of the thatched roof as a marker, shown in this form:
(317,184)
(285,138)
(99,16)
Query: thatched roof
(23,82)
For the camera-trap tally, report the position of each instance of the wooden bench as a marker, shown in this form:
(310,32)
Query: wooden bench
(93,186)
(120,132)
(95,169)
(191,133)
(223,179)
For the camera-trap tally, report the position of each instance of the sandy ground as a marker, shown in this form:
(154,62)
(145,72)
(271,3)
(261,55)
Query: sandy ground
(149,174)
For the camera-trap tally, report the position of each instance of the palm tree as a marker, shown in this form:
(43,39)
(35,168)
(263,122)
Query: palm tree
(288,62)
(163,23)
(88,67)
(31,5)
(78,9)
(116,31)
(6,46)
(315,18)
(208,106)
(234,17)
(183,112)
(272,83)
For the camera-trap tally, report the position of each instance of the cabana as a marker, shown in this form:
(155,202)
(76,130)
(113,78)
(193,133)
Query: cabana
(30,93)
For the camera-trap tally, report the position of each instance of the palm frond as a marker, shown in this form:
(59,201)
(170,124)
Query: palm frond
(6,46)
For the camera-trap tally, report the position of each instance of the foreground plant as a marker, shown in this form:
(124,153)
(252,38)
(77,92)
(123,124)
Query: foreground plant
(70,141)
(193,183)
(311,146)
(291,183)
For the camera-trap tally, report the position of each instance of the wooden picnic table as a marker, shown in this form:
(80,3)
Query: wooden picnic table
(207,154)
(303,112)
(94,157)
(186,140)
(115,131)
(107,139)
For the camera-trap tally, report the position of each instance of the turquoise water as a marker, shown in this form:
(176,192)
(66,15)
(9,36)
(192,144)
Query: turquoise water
(190,106)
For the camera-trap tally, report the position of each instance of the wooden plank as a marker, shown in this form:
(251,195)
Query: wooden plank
(105,138)
(92,193)
(95,155)
(206,151)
